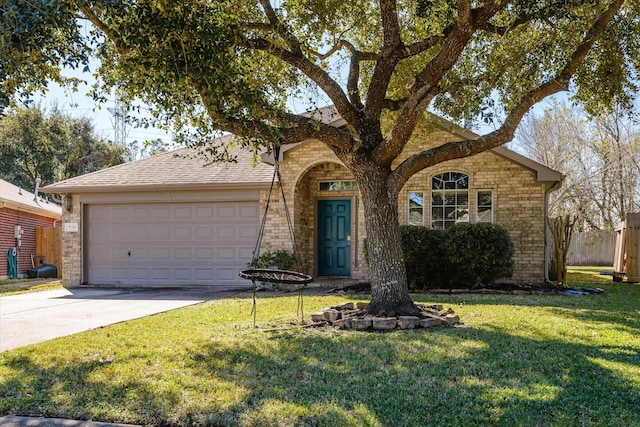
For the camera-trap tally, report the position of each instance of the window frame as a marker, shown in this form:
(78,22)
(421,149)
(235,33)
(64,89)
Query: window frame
(491,207)
(409,207)
(334,181)
(443,192)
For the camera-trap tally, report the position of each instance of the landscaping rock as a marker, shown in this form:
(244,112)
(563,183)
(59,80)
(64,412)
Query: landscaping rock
(331,315)
(344,323)
(430,322)
(361,324)
(318,316)
(354,316)
(344,306)
(408,322)
(384,323)
(452,319)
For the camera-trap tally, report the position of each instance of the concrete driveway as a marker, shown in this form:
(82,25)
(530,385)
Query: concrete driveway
(40,316)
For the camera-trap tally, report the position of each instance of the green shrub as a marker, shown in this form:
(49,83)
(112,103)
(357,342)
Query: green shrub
(280,259)
(479,253)
(424,256)
(465,255)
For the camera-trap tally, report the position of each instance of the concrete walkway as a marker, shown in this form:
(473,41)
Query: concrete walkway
(40,316)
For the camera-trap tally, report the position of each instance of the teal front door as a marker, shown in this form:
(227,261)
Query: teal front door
(334,237)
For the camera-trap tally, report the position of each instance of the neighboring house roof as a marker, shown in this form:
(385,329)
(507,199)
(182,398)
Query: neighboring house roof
(13,197)
(178,169)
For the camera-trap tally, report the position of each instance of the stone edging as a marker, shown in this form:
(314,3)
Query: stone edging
(355,316)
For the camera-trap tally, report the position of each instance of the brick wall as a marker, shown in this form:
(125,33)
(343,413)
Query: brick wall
(72,245)
(518,202)
(9,218)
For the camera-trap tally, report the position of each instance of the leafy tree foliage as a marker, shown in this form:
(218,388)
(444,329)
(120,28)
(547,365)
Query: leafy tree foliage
(236,64)
(51,147)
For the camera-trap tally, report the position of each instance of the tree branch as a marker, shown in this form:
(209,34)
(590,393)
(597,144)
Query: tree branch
(460,149)
(425,85)
(389,57)
(111,34)
(289,38)
(364,56)
(311,70)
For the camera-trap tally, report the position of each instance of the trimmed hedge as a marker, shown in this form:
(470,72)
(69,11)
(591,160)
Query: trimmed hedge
(465,255)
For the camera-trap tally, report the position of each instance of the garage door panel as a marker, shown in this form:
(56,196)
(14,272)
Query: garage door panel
(249,212)
(160,213)
(170,243)
(140,214)
(226,253)
(227,274)
(182,233)
(160,233)
(204,232)
(248,233)
(139,273)
(204,212)
(182,253)
(183,213)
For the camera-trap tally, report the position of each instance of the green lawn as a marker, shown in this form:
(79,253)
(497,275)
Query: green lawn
(22,286)
(517,360)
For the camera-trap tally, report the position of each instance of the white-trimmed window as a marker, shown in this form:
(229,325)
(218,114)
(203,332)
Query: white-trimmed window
(484,206)
(449,199)
(416,208)
(342,185)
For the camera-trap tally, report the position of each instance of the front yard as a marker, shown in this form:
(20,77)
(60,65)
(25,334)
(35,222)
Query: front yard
(517,360)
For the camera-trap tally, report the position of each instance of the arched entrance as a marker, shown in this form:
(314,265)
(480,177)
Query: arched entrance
(326,220)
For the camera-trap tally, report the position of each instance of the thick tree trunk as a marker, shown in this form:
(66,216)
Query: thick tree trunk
(389,290)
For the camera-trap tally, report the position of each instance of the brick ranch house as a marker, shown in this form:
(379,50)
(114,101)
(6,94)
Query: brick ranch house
(171,220)
(20,208)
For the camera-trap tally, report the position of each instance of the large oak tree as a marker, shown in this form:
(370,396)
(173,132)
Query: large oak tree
(234,65)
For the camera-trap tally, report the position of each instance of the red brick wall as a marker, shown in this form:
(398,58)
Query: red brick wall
(9,218)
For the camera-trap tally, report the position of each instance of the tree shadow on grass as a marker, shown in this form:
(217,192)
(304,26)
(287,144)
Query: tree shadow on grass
(68,390)
(455,377)
(483,375)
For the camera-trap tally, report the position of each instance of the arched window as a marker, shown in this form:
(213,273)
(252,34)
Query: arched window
(449,199)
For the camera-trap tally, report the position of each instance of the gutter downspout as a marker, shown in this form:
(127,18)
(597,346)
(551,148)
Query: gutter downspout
(547,255)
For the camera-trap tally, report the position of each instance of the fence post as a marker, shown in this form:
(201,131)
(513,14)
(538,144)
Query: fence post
(631,246)
(618,258)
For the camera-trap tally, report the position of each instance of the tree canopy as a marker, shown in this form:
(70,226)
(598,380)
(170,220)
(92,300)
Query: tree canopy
(51,147)
(235,65)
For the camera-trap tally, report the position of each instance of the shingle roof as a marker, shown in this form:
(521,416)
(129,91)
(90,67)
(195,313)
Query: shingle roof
(16,198)
(178,169)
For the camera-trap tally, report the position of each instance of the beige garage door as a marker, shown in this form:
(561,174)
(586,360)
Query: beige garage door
(169,243)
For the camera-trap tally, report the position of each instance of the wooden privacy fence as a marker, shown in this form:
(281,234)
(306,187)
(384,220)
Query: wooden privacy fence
(49,246)
(592,248)
(626,254)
